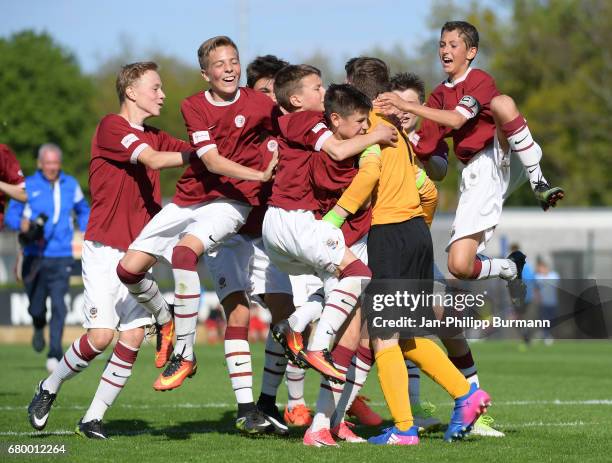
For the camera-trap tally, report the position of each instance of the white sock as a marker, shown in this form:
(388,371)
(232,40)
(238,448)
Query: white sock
(75,360)
(307,313)
(186,305)
(491,268)
(275,365)
(118,370)
(147,293)
(295,385)
(238,360)
(528,151)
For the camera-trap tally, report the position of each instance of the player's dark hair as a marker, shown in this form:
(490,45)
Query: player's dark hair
(409,81)
(344,99)
(368,75)
(289,80)
(467,32)
(129,74)
(263,67)
(212,44)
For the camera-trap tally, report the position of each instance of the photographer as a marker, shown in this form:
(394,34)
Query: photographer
(46,225)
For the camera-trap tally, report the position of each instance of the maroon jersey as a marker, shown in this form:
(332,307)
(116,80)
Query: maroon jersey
(254,222)
(10,172)
(234,129)
(125,195)
(302,134)
(329,180)
(476,133)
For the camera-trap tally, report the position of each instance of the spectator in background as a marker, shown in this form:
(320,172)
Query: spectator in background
(546,295)
(46,225)
(12,183)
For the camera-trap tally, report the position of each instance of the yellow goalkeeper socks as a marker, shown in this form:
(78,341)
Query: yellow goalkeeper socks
(393,378)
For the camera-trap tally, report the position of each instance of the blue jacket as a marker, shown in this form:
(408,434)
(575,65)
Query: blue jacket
(58,204)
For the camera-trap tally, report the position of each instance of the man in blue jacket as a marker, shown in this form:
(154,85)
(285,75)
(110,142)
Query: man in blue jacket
(46,225)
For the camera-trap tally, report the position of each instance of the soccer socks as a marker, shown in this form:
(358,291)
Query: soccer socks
(465,364)
(356,376)
(144,289)
(340,303)
(414,383)
(434,362)
(275,365)
(117,372)
(522,144)
(306,313)
(238,359)
(393,379)
(329,394)
(75,360)
(486,267)
(186,299)
(295,385)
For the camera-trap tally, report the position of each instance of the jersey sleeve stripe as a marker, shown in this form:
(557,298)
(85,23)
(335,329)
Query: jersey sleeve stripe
(205,149)
(322,139)
(139,149)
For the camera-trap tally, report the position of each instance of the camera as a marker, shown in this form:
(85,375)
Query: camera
(36,232)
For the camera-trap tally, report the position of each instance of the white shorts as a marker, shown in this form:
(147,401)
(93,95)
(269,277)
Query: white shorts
(486,181)
(298,243)
(212,223)
(360,250)
(241,264)
(108,304)
(304,286)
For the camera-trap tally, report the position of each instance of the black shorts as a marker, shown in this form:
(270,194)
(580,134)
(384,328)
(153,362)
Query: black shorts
(401,250)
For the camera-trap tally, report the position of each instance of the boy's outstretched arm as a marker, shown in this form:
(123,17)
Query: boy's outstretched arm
(338,150)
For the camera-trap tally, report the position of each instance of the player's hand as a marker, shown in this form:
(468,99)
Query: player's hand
(390,104)
(268,174)
(386,135)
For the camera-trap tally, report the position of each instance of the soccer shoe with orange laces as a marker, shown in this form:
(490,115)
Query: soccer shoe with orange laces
(300,415)
(164,347)
(321,360)
(291,341)
(175,373)
(361,411)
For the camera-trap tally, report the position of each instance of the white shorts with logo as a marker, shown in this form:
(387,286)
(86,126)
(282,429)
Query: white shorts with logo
(486,181)
(108,304)
(360,250)
(298,243)
(211,222)
(241,264)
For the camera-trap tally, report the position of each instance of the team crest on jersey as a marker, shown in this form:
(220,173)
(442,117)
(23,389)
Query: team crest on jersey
(332,243)
(222,282)
(272,145)
(93,312)
(240,120)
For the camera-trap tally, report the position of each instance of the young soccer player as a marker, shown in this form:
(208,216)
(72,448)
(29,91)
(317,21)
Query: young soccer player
(125,188)
(261,72)
(468,107)
(295,241)
(399,246)
(411,88)
(213,197)
(12,181)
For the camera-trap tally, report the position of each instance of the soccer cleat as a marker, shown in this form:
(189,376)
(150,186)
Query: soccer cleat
(484,427)
(362,412)
(92,429)
(321,360)
(164,347)
(546,195)
(300,415)
(271,413)
(344,432)
(516,286)
(38,339)
(291,341)
(320,438)
(175,373)
(253,422)
(468,409)
(40,406)
(393,436)
(424,418)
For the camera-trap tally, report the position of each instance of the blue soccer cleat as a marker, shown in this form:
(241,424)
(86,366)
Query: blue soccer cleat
(393,436)
(467,410)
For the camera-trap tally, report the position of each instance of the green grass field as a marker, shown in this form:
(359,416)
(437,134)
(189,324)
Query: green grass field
(554,403)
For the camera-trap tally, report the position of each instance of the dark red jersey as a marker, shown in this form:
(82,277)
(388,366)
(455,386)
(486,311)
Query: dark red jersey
(10,172)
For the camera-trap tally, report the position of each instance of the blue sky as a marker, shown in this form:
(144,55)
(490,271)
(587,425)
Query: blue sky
(94,31)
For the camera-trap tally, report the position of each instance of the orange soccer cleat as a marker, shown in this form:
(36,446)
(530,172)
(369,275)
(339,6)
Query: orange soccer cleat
(321,360)
(175,373)
(164,347)
(291,341)
(300,415)
(363,413)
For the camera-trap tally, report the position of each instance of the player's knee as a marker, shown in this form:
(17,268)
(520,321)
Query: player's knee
(126,277)
(132,338)
(184,258)
(503,105)
(460,268)
(356,269)
(100,338)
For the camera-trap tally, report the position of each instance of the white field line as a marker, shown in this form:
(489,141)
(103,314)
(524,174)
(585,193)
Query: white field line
(201,430)
(517,403)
